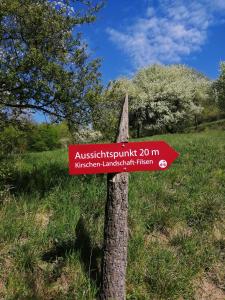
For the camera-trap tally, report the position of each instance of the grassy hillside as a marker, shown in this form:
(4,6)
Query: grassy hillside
(52,227)
(216,125)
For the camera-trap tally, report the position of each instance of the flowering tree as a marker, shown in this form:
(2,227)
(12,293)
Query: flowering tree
(167,97)
(161,99)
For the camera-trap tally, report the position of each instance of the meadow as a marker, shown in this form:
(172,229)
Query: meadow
(51,227)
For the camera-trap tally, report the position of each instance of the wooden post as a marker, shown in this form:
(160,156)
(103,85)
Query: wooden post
(116,230)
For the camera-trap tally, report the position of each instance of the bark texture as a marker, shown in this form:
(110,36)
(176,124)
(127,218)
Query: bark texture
(116,230)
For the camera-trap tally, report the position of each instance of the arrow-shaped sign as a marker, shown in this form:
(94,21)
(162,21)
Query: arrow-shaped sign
(120,157)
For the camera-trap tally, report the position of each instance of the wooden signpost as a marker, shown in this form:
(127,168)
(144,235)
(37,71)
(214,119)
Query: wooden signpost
(117,160)
(116,229)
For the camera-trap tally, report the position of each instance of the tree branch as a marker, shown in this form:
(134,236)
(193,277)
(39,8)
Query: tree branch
(32,106)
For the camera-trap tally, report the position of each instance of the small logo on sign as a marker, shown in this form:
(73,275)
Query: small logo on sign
(163,164)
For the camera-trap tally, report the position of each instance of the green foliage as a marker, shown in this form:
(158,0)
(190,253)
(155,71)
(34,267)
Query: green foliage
(42,138)
(44,64)
(176,225)
(107,112)
(220,124)
(220,87)
(20,138)
(168,97)
(12,140)
(161,99)
(6,170)
(33,137)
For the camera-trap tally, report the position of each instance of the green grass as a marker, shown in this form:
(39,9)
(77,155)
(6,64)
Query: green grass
(51,227)
(219,124)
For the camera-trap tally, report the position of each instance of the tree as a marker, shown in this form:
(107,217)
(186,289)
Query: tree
(162,99)
(44,65)
(107,112)
(167,97)
(219,87)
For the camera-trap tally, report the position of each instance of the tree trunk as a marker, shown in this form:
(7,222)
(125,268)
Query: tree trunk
(139,129)
(196,122)
(116,231)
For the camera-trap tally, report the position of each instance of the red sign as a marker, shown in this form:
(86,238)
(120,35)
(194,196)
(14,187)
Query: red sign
(120,157)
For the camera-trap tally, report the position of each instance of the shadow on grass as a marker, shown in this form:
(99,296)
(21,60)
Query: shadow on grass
(42,179)
(90,255)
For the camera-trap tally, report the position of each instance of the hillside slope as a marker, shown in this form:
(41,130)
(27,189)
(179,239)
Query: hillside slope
(52,227)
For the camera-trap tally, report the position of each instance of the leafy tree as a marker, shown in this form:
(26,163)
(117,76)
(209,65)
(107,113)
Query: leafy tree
(44,65)
(167,97)
(12,141)
(107,112)
(161,99)
(42,137)
(219,87)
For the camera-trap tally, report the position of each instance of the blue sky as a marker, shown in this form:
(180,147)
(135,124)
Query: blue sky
(129,35)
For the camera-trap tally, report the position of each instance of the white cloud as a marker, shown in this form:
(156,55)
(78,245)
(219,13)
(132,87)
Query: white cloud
(176,29)
(219,4)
